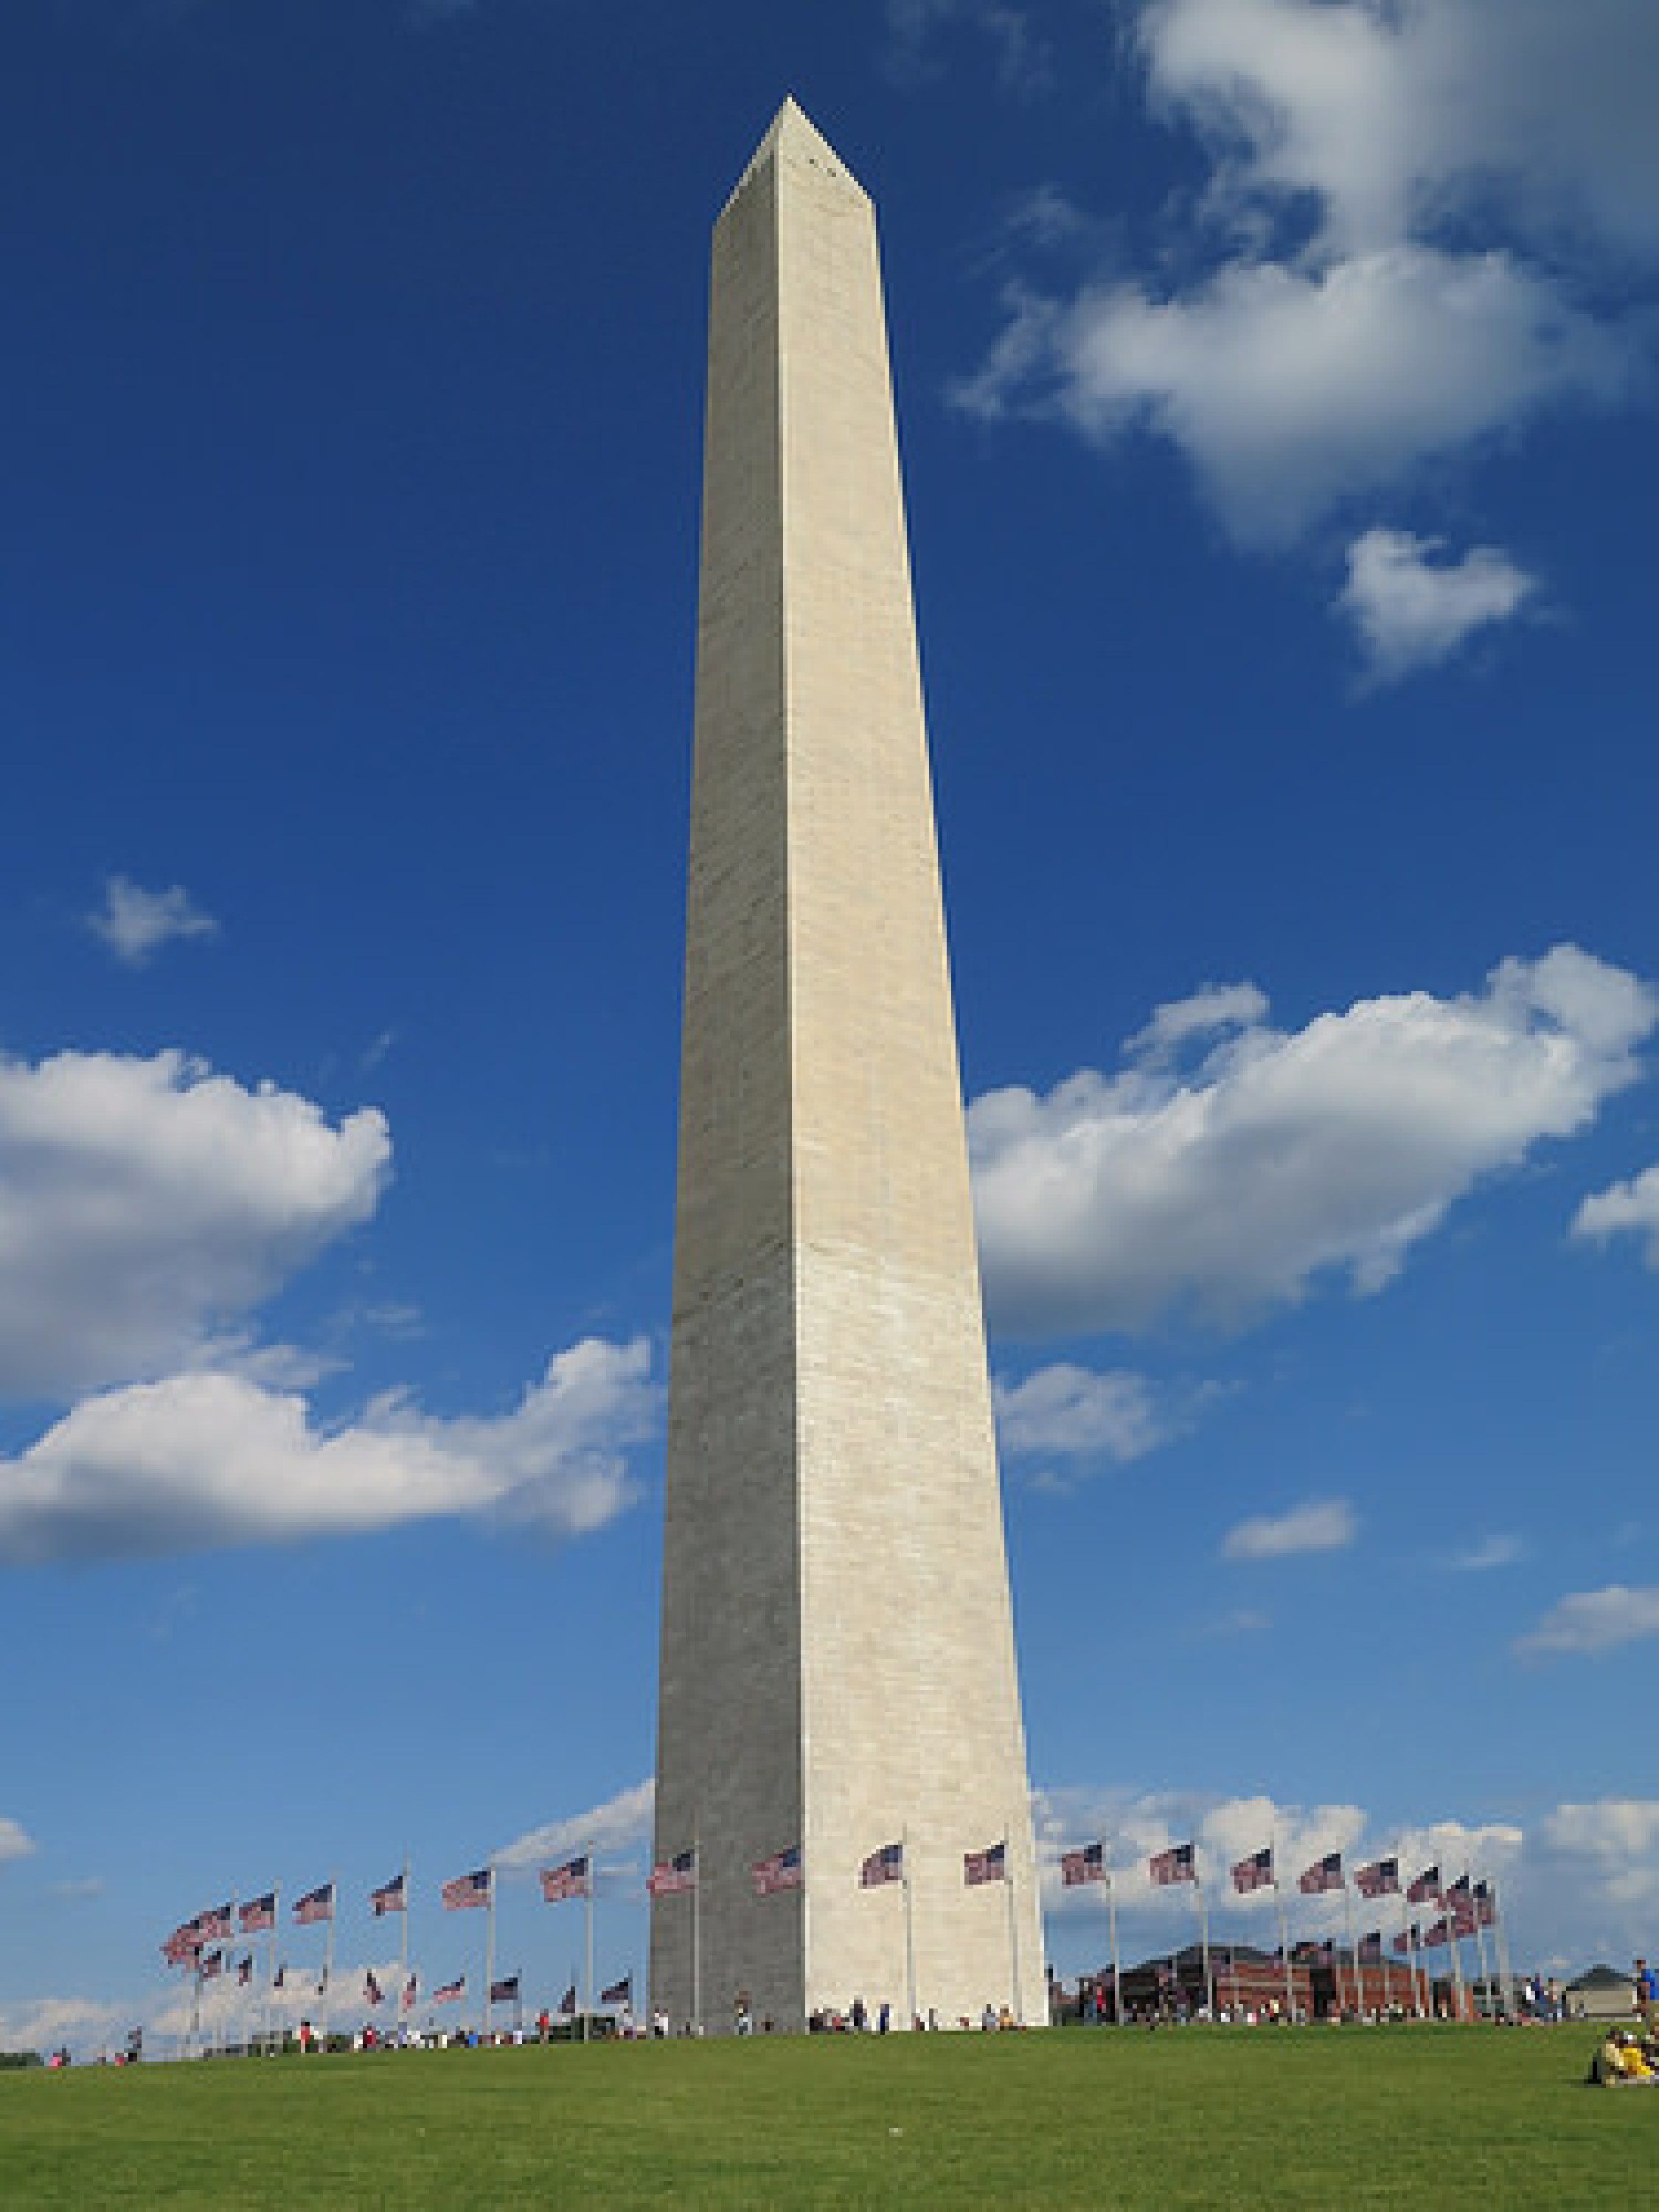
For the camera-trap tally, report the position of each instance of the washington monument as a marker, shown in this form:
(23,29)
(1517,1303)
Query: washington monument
(838,1672)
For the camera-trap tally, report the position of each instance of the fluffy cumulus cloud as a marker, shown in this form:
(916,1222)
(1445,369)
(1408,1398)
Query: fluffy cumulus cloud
(1624,1209)
(14,1841)
(1323,1524)
(1412,609)
(1395,193)
(204,1460)
(136,923)
(623,1823)
(1230,1165)
(1594,1621)
(144,1203)
(1079,1414)
(1611,1847)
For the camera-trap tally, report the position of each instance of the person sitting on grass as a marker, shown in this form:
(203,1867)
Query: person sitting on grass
(1620,2060)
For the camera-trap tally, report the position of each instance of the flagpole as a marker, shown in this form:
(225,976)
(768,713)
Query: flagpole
(1204,1936)
(1284,1932)
(328,1960)
(587,2007)
(1014,1926)
(1117,1971)
(271,1972)
(1480,1949)
(1456,1949)
(909,1933)
(697,1936)
(1501,1945)
(489,1939)
(403,1960)
(1354,1953)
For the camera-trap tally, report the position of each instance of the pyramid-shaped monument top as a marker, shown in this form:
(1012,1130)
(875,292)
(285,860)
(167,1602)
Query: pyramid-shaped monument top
(792,134)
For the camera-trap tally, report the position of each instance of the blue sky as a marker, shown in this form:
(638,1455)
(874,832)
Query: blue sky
(1276,386)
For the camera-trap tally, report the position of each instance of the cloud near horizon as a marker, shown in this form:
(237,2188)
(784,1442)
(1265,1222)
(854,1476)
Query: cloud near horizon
(1231,1172)
(202,1462)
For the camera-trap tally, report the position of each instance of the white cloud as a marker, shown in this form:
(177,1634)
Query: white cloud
(134,923)
(1412,612)
(1282,1157)
(15,1843)
(1595,1620)
(1323,1524)
(1075,1411)
(206,1460)
(1390,115)
(1624,1209)
(42,2024)
(623,1823)
(144,1201)
(1384,262)
(1289,389)
(1610,1848)
(1491,1551)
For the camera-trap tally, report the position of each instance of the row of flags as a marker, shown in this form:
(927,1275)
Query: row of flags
(189,1942)
(785,1870)
(504,1990)
(1470,1905)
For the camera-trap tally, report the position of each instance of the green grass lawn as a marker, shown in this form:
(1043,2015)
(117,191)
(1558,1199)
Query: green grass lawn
(1408,2116)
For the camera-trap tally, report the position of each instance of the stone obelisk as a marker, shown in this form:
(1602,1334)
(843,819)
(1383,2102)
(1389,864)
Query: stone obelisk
(837,1669)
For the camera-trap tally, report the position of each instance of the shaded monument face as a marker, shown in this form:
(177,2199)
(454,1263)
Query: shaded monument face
(837,1670)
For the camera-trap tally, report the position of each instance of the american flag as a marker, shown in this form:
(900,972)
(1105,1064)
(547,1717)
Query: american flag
(1380,1879)
(1464,1919)
(1324,1874)
(260,1913)
(410,1989)
(1425,1889)
(315,1904)
(245,1973)
(574,1879)
(371,1989)
(672,1875)
(1256,1872)
(620,1992)
(883,1866)
(981,1867)
(279,1978)
(389,1897)
(1371,1949)
(1178,1863)
(212,1964)
(568,2002)
(1485,1905)
(467,1890)
(781,1871)
(182,1945)
(214,1927)
(1087,1865)
(450,1991)
(1435,1938)
(506,1992)
(1402,1944)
